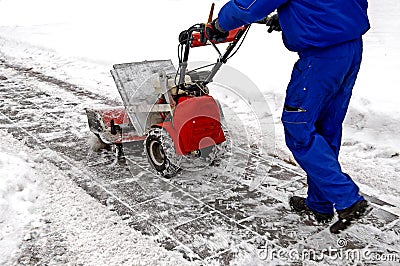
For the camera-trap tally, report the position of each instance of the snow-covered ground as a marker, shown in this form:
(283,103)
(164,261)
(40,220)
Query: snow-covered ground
(37,199)
(78,41)
(18,194)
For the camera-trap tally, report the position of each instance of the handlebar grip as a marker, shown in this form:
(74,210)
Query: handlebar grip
(200,40)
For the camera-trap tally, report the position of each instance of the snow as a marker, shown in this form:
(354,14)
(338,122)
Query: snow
(18,194)
(78,41)
(71,226)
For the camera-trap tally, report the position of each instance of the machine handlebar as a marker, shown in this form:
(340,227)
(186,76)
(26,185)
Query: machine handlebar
(199,39)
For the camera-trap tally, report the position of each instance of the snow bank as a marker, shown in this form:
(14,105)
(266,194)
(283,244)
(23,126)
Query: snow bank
(18,193)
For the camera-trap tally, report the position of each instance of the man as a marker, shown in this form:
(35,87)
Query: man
(327,35)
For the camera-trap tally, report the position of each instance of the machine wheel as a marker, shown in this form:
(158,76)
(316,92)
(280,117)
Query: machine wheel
(161,152)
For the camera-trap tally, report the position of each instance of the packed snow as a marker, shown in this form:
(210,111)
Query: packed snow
(78,41)
(19,190)
(36,199)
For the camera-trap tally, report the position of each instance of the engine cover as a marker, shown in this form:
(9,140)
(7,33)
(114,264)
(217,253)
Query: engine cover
(196,124)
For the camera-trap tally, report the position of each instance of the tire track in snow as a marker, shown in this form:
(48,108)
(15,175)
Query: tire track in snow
(77,90)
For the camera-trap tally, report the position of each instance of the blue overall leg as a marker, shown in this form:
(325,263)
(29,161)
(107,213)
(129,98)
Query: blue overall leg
(316,103)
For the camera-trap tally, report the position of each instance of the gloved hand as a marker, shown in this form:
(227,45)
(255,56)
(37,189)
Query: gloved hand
(183,37)
(215,33)
(273,23)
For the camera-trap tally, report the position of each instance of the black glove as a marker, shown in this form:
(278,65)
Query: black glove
(273,23)
(215,33)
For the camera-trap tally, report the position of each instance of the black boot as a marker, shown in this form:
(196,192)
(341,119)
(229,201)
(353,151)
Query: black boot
(298,204)
(346,216)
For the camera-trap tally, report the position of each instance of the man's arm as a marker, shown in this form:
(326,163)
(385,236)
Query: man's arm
(237,13)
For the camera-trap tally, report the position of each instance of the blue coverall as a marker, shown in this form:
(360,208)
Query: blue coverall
(327,35)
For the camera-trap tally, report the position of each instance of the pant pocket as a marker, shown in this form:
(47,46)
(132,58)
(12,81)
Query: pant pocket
(297,90)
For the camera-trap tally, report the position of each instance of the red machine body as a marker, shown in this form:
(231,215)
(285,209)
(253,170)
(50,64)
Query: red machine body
(195,125)
(102,120)
(118,115)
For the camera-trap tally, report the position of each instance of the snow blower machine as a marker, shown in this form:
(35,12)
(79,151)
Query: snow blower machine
(169,109)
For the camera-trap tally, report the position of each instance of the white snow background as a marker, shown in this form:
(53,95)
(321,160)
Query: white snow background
(78,41)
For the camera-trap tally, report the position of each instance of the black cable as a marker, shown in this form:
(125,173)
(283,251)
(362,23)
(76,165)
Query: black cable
(240,44)
(212,64)
(216,48)
(179,62)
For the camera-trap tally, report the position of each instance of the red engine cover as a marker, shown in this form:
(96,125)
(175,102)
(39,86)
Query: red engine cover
(196,124)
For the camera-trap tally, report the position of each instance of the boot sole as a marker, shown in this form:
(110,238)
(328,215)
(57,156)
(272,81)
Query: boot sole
(341,225)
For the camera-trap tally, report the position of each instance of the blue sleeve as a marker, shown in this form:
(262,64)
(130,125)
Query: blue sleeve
(363,4)
(237,13)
